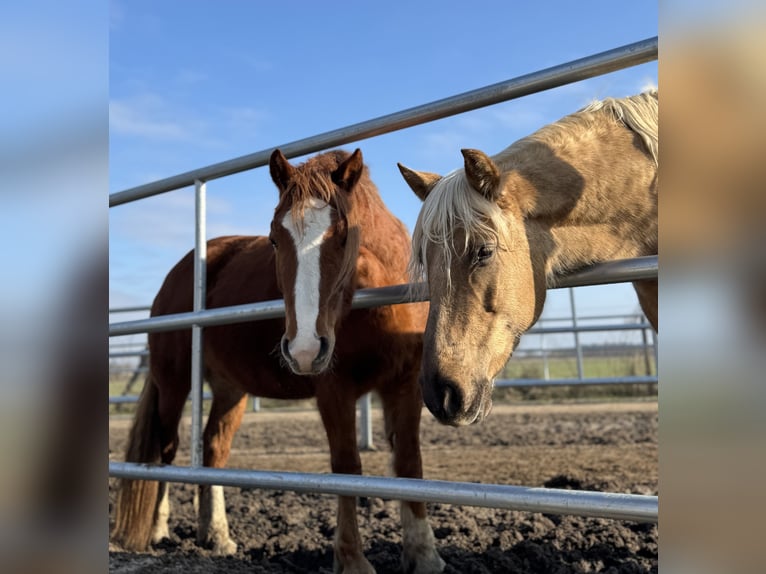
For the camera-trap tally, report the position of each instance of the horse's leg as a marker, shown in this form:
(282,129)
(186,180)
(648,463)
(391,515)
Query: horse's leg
(160,530)
(171,404)
(224,420)
(153,438)
(647,297)
(337,406)
(402,408)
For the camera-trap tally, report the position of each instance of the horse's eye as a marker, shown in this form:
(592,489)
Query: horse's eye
(484,253)
(273,242)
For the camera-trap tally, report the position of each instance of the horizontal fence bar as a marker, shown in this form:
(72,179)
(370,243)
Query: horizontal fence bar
(114,369)
(588,328)
(601,273)
(123,399)
(634,507)
(578,382)
(635,317)
(574,71)
(130,309)
(601,381)
(532,331)
(608,272)
(117,354)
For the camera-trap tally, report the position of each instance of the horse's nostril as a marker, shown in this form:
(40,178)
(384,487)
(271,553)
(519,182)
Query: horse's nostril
(285,347)
(324,347)
(452,399)
(443,397)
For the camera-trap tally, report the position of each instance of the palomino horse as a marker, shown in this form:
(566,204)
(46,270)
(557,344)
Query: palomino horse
(331,234)
(491,237)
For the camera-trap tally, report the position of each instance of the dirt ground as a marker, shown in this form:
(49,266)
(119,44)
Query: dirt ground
(602,447)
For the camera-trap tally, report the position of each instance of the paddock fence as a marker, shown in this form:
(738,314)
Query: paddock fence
(123,355)
(639,508)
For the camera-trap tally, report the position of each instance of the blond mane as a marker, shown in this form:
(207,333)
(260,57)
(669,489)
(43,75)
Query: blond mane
(639,113)
(452,204)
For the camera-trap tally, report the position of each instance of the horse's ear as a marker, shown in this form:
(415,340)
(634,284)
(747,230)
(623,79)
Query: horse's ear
(421,182)
(281,170)
(482,173)
(348,173)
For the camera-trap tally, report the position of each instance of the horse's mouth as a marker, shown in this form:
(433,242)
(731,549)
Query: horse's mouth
(466,414)
(480,408)
(317,367)
(308,363)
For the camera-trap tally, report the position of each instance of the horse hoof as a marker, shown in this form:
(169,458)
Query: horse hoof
(219,546)
(361,566)
(160,533)
(426,563)
(225,548)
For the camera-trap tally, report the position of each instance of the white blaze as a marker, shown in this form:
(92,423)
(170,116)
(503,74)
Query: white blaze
(308,241)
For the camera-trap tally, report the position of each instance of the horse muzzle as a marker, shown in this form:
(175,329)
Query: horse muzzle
(307,358)
(455,404)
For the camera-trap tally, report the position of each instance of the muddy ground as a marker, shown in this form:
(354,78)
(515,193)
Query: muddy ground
(604,447)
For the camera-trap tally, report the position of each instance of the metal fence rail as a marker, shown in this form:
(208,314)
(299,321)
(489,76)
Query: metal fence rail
(574,71)
(610,272)
(542,353)
(632,380)
(539,500)
(639,508)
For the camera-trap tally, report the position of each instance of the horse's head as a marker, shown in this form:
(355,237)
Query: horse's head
(470,242)
(316,249)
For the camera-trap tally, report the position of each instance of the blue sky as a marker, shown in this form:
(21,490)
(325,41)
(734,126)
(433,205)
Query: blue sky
(194,83)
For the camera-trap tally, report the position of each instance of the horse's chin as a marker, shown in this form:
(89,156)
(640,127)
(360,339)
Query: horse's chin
(481,411)
(476,413)
(315,368)
(484,410)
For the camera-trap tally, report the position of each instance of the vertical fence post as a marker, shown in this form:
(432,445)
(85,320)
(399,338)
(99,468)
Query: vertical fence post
(200,280)
(647,359)
(365,422)
(578,348)
(544,353)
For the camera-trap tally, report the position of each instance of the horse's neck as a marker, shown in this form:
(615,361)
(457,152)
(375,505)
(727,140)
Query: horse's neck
(564,249)
(594,199)
(383,235)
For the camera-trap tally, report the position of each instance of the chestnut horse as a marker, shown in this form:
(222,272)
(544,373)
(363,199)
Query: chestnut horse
(331,234)
(491,237)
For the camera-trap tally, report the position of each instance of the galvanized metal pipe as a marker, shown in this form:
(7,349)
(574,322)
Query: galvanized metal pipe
(364,406)
(588,328)
(574,71)
(600,381)
(602,273)
(127,369)
(134,398)
(130,309)
(639,508)
(609,272)
(118,354)
(576,382)
(200,293)
(575,330)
